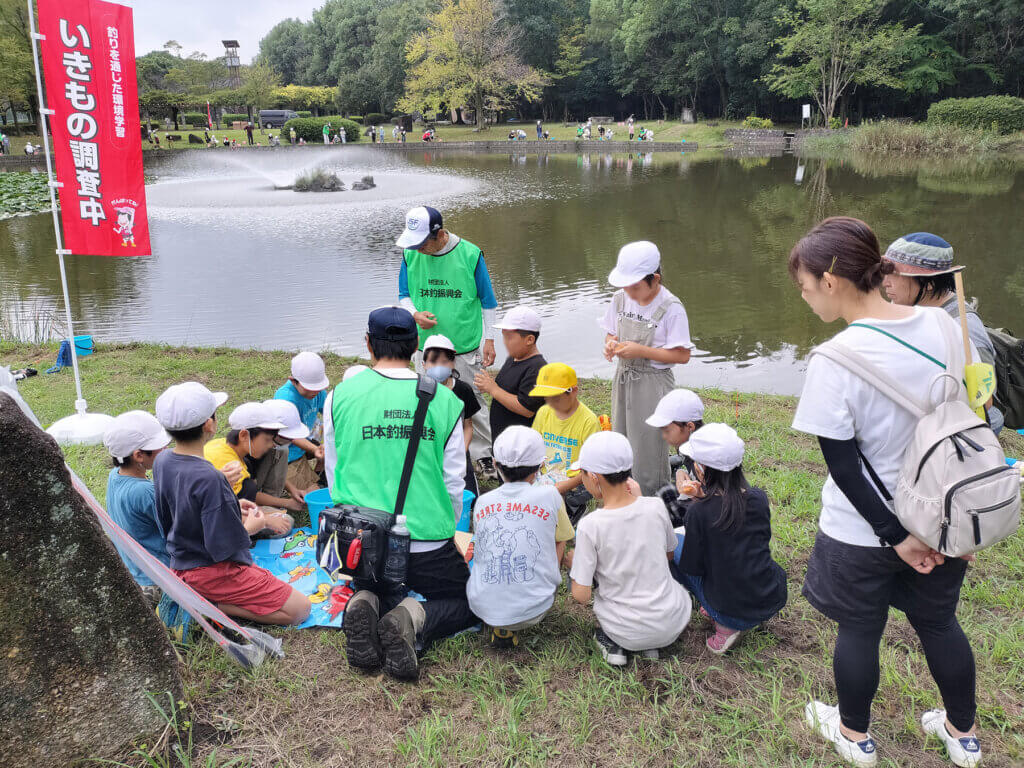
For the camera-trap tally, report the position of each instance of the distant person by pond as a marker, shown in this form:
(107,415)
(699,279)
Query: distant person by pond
(540,130)
(291,134)
(327,133)
(248,133)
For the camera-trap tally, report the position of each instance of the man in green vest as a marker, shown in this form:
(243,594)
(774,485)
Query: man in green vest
(367,426)
(444,282)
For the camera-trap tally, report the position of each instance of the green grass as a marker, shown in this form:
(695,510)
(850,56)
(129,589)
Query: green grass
(552,702)
(896,138)
(706,136)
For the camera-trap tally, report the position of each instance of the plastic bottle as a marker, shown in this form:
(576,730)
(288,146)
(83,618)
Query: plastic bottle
(396,563)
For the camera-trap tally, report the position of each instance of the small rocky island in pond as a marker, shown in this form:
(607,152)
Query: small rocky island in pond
(320,180)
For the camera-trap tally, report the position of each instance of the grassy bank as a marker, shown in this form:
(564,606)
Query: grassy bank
(707,136)
(552,701)
(890,137)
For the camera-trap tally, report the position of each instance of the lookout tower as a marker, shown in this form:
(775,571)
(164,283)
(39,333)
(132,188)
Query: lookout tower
(233,63)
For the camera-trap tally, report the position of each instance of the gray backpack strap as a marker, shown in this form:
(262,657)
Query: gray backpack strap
(861,367)
(618,301)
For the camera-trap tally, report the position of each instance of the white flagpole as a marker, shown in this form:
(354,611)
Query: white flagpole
(53,184)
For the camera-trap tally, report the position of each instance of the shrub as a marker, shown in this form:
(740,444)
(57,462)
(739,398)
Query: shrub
(318,180)
(358,119)
(999,114)
(835,123)
(311,128)
(755,122)
(231,117)
(195,119)
(304,113)
(375,118)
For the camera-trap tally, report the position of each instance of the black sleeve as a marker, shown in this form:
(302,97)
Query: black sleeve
(527,383)
(844,465)
(248,490)
(469,402)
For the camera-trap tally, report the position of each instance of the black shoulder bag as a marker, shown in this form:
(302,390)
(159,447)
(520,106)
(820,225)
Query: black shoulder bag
(353,540)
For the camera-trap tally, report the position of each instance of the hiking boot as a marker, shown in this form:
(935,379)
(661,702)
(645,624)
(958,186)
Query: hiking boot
(723,639)
(503,638)
(825,720)
(362,645)
(398,643)
(485,466)
(651,654)
(964,751)
(610,651)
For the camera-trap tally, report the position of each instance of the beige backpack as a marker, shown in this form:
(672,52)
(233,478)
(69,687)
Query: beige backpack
(955,491)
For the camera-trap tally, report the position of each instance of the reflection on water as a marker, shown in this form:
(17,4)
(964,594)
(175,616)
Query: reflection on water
(237,263)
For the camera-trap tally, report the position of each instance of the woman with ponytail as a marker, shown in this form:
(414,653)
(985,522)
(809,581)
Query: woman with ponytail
(864,561)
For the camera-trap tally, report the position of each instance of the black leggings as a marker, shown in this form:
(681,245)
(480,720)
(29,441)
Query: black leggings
(949,657)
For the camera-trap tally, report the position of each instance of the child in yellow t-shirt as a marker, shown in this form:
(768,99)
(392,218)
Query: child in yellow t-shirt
(564,423)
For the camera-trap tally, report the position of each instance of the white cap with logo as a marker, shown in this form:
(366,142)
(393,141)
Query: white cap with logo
(680,405)
(716,446)
(438,341)
(308,369)
(635,262)
(420,224)
(187,405)
(253,415)
(519,446)
(521,318)
(286,413)
(605,453)
(134,431)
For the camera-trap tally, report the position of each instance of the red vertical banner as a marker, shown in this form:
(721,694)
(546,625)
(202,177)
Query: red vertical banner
(88,58)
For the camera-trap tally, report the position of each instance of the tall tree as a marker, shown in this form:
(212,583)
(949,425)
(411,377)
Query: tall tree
(259,82)
(834,44)
(17,74)
(286,49)
(468,55)
(570,64)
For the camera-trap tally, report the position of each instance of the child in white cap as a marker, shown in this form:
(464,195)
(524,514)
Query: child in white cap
(679,414)
(621,553)
(647,334)
(252,440)
(207,526)
(306,389)
(520,530)
(724,557)
(133,440)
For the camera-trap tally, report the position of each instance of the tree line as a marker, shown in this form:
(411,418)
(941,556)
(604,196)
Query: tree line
(719,58)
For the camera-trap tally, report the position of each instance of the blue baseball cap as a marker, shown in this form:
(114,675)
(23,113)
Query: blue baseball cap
(392,324)
(922,253)
(420,224)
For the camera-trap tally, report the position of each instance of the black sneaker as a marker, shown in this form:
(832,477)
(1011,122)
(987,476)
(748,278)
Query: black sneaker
(610,652)
(503,638)
(398,643)
(485,465)
(362,645)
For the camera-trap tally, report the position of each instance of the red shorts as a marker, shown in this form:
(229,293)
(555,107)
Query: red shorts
(246,586)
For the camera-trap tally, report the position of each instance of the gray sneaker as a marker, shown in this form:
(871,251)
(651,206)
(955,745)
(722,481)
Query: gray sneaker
(610,651)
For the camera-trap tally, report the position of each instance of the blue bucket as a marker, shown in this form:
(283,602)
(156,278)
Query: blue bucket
(84,346)
(317,502)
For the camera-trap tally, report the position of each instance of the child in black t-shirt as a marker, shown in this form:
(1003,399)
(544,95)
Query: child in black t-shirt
(724,556)
(439,364)
(510,389)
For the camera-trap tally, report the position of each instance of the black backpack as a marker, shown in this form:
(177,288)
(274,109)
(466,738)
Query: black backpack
(1009,365)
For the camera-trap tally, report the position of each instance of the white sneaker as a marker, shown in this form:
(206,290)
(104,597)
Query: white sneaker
(964,751)
(825,720)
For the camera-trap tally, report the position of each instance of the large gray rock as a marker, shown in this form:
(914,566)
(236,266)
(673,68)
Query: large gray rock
(79,648)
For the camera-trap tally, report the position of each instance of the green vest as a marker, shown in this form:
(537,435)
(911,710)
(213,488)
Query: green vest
(372,418)
(446,286)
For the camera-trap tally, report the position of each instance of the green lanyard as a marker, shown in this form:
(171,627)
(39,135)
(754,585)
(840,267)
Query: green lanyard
(904,343)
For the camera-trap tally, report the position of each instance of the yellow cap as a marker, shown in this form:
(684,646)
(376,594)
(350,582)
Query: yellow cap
(554,379)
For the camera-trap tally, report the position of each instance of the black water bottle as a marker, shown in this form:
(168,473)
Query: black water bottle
(396,564)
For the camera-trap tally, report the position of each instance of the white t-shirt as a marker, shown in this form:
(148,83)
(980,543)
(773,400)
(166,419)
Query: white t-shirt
(515,565)
(637,602)
(838,405)
(672,332)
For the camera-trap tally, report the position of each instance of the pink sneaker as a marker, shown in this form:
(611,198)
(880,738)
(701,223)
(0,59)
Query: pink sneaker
(704,613)
(723,639)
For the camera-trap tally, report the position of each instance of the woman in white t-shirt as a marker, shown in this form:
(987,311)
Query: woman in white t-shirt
(863,560)
(648,333)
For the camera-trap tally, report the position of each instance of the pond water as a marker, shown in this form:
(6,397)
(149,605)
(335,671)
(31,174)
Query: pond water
(239,263)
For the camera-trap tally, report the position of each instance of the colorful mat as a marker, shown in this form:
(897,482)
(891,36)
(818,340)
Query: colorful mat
(293,560)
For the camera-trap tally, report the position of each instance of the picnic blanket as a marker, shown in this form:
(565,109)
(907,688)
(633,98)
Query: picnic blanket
(293,561)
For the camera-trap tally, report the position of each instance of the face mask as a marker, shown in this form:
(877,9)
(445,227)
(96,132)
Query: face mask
(439,373)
